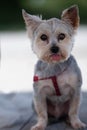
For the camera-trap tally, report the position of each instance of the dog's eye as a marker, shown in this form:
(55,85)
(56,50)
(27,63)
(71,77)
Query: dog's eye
(43,37)
(61,36)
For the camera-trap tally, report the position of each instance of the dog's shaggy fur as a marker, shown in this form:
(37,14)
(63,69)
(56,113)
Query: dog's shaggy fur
(52,42)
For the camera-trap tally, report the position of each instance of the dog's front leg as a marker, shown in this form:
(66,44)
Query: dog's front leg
(41,109)
(73,113)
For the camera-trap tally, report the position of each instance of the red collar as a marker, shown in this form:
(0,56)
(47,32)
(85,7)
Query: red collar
(54,81)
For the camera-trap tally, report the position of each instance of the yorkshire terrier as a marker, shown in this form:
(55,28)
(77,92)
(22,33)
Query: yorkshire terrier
(57,77)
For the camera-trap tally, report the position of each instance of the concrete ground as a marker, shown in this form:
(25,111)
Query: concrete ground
(61,125)
(17,113)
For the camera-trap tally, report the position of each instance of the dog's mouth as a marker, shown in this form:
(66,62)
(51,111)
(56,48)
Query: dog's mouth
(59,57)
(55,57)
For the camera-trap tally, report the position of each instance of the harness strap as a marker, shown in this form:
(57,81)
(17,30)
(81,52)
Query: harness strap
(55,84)
(54,81)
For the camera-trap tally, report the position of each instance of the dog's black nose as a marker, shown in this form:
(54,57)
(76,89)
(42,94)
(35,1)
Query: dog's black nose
(54,49)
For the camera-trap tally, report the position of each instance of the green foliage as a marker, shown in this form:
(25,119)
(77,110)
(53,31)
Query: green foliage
(10,11)
(53,8)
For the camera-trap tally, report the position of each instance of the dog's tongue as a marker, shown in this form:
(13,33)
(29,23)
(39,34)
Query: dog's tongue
(56,57)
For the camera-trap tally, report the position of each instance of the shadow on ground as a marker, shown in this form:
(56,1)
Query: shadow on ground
(61,125)
(17,113)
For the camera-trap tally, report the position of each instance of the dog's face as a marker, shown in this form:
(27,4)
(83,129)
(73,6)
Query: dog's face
(52,40)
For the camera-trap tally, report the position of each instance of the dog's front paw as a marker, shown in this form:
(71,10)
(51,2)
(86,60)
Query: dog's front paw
(38,127)
(77,124)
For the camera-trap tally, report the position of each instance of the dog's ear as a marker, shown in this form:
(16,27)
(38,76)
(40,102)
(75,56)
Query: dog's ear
(71,16)
(31,21)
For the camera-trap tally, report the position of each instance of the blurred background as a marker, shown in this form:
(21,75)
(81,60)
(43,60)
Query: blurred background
(17,59)
(10,11)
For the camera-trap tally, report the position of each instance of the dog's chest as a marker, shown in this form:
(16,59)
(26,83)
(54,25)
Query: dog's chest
(65,83)
(65,76)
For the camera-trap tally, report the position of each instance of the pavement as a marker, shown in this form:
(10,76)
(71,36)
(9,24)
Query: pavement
(17,113)
(61,125)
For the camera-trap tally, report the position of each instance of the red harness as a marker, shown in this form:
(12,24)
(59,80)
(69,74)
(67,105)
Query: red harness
(54,81)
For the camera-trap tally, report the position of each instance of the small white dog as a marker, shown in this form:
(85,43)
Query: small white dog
(57,80)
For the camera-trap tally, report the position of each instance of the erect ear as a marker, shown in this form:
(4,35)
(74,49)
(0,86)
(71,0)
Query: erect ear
(31,21)
(71,16)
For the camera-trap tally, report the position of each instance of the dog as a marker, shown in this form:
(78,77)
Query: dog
(57,77)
